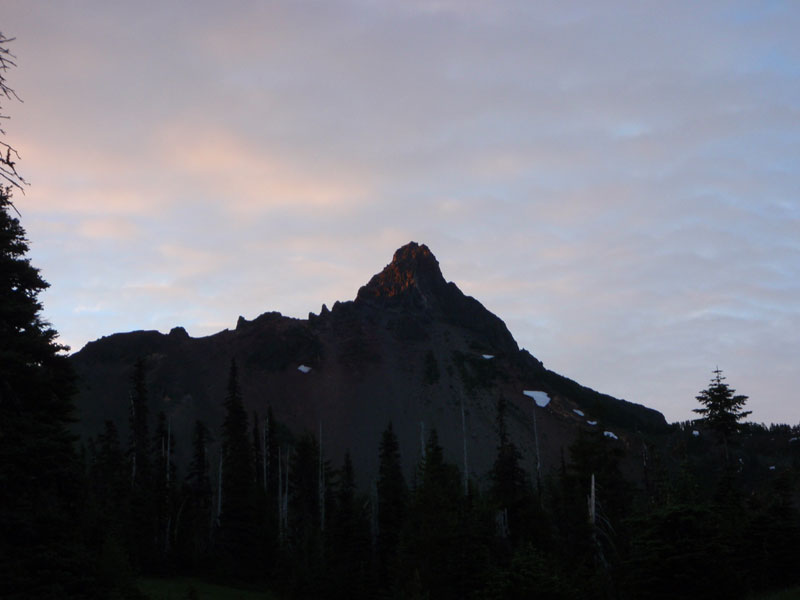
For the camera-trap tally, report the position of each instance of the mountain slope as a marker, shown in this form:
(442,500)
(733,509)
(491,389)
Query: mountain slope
(411,349)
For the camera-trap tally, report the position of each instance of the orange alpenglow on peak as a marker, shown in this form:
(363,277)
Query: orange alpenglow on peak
(413,267)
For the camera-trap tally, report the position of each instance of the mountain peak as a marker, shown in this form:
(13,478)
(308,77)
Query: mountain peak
(416,260)
(413,271)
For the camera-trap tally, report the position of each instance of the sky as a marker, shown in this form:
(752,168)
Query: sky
(617,181)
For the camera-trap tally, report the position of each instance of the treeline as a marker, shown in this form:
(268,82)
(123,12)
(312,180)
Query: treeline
(269,509)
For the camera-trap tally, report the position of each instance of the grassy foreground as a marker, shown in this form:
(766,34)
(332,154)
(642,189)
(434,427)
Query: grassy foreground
(187,588)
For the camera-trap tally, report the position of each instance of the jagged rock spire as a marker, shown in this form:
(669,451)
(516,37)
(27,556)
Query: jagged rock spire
(414,271)
(413,283)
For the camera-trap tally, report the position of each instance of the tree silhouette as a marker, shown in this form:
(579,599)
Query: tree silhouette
(509,488)
(164,487)
(41,479)
(722,408)
(433,536)
(142,522)
(305,516)
(194,518)
(238,485)
(348,539)
(392,504)
(107,508)
(138,418)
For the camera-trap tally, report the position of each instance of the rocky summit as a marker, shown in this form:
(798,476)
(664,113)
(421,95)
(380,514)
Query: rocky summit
(413,277)
(411,349)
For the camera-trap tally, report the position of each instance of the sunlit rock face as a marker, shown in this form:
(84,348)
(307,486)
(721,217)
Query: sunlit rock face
(413,276)
(411,349)
(413,282)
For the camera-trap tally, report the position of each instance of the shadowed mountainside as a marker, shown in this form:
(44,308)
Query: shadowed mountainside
(411,349)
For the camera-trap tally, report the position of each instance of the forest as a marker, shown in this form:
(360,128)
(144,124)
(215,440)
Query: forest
(278,514)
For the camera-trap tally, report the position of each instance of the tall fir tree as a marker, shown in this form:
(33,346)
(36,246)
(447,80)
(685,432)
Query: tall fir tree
(392,493)
(237,516)
(268,500)
(139,453)
(509,487)
(432,538)
(266,535)
(194,519)
(258,451)
(40,474)
(142,521)
(108,505)
(164,489)
(348,543)
(41,478)
(271,452)
(108,476)
(305,514)
(722,409)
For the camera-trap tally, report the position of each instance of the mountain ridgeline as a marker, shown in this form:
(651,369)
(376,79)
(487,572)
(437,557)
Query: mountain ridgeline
(411,349)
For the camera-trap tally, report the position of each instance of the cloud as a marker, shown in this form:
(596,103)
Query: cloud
(617,182)
(251,179)
(114,229)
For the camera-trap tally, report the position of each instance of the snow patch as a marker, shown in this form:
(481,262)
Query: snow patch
(772,468)
(695,433)
(541,398)
(794,439)
(304,369)
(610,434)
(592,422)
(578,412)
(488,356)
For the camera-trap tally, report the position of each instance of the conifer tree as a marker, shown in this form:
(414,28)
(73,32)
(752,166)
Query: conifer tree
(139,447)
(722,408)
(108,472)
(305,526)
(433,534)
(258,452)
(721,412)
(237,517)
(41,482)
(269,497)
(194,518)
(508,481)
(198,475)
(142,522)
(164,486)
(271,446)
(677,552)
(107,511)
(392,503)
(348,539)
(264,524)
(772,538)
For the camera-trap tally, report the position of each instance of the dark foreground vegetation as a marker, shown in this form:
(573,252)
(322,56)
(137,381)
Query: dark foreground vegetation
(183,588)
